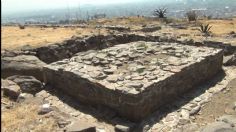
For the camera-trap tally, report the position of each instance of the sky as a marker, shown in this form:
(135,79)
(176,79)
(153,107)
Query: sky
(14,6)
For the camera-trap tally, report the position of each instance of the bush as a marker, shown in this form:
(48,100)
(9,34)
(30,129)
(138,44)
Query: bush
(21,26)
(205,29)
(192,16)
(161,12)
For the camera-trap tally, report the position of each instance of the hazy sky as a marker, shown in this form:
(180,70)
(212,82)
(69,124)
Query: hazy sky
(12,6)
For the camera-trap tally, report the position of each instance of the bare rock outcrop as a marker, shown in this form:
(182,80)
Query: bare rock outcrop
(22,65)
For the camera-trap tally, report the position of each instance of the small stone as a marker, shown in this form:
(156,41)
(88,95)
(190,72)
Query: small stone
(175,70)
(183,121)
(135,85)
(112,78)
(46,108)
(108,71)
(156,72)
(197,99)
(101,56)
(81,126)
(43,94)
(118,63)
(87,62)
(140,49)
(120,78)
(127,77)
(104,62)
(152,68)
(138,78)
(185,114)
(149,50)
(122,54)
(24,96)
(122,128)
(98,75)
(63,123)
(112,53)
(28,84)
(132,56)
(140,67)
(88,56)
(95,61)
(178,55)
(10,89)
(169,118)
(150,77)
(195,110)
(133,91)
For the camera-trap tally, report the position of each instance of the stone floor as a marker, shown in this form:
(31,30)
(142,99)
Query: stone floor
(132,67)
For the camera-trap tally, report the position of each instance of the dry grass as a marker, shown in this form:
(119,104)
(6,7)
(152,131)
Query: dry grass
(24,117)
(222,27)
(13,37)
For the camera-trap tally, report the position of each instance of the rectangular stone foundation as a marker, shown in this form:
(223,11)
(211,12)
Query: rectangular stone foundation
(134,79)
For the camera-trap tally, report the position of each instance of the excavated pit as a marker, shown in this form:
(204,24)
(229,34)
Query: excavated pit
(135,78)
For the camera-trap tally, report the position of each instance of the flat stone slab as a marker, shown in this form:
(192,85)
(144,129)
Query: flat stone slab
(135,78)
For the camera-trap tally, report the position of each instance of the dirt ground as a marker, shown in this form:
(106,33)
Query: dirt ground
(13,37)
(24,117)
(221,104)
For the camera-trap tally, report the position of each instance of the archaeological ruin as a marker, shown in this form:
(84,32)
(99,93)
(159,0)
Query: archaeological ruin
(135,78)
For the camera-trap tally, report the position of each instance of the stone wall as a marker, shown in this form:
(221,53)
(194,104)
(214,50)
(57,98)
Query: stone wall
(68,48)
(136,78)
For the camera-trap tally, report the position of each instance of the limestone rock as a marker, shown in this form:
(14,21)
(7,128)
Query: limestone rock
(22,65)
(23,96)
(108,71)
(121,128)
(28,84)
(185,114)
(135,84)
(45,108)
(183,121)
(112,78)
(10,89)
(81,126)
(230,60)
(195,110)
(98,75)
